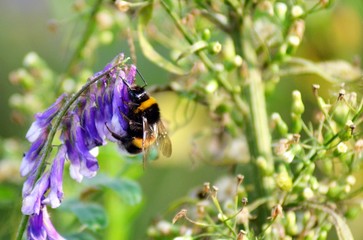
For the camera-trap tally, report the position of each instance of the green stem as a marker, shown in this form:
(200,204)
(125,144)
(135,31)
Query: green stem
(48,144)
(86,36)
(257,131)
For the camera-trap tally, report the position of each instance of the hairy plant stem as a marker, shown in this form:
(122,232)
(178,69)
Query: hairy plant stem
(48,144)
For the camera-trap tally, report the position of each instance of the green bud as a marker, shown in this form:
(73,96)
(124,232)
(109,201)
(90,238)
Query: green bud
(335,191)
(214,47)
(281,126)
(306,217)
(212,86)
(314,183)
(322,235)
(297,11)
(291,227)
(347,132)
(352,212)
(25,79)
(280,10)
(283,180)
(341,112)
(32,60)
(206,34)
(308,193)
(323,106)
(222,108)
(310,169)
(296,123)
(297,104)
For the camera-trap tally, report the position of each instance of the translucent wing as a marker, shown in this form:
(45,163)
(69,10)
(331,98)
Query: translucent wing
(163,140)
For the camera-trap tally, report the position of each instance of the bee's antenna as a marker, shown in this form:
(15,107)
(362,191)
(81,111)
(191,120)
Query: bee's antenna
(126,83)
(145,84)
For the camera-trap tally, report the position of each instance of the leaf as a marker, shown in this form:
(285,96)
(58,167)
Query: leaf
(192,49)
(128,190)
(340,225)
(341,70)
(147,48)
(89,214)
(79,236)
(333,71)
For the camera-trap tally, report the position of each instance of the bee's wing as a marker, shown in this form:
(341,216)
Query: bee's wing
(146,135)
(163,140)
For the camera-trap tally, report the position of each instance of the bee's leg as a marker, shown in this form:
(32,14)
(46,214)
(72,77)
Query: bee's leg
(115,135)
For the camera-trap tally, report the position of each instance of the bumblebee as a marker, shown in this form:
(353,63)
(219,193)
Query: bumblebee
(145,127)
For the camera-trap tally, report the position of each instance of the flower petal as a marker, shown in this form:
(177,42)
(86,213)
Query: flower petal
(32,202)
(55,195)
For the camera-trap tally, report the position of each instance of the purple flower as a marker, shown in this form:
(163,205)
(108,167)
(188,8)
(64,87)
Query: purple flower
(43,120)
(55,196)
(40,227)
(85,126)
(32,201)
(29,161)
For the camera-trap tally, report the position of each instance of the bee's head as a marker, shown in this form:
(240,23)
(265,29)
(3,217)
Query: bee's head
(137,94)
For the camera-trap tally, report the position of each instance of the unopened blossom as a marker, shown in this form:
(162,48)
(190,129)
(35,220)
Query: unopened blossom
(86,125)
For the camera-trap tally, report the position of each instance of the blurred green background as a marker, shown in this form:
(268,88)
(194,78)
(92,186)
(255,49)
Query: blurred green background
(333,34)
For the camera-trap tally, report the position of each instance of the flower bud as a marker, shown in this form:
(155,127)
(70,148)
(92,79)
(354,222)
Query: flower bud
(347,132)
(298,107)
(280,10)
(297,11)
(291,227)
(33,60)
(214,47)
(296,122)
(341,112)
(122,6)
(341,149)
(212,86)
(352,212)
(323,235)
(281,126)
(206,34)
(308,193)
(283,180)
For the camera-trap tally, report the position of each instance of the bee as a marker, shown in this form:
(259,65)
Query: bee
(145,127)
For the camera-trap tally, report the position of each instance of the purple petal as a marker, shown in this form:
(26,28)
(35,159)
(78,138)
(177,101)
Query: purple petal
(29,160)
(43,119)
(55,195)
(89,164)
(40,227)
(36,230)
(32,202)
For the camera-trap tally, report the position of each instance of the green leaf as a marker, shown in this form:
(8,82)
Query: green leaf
(192,49)
(147,48)
(79,236)
(338,221)
(128,190)
(333,71)
(89,214)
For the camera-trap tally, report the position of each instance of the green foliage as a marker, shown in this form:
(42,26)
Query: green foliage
(293,175)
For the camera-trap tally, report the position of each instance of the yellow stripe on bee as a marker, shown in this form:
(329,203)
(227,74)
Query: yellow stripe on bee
(146,104)
(147,143)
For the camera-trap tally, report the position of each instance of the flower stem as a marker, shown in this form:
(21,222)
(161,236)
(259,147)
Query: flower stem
(86,36)
(48,144)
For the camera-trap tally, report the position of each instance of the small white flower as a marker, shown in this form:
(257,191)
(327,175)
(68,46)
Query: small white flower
(342,148)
